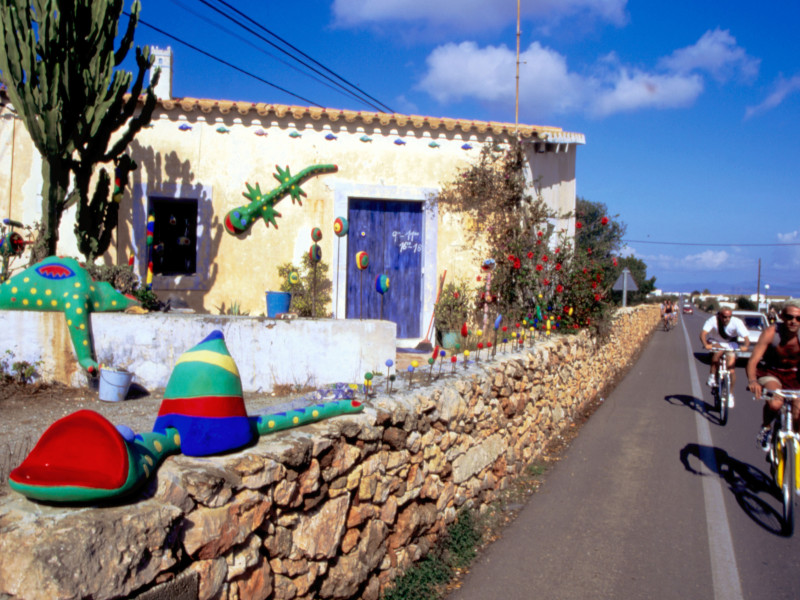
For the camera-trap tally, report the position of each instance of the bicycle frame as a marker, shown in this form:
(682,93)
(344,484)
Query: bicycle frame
(783,454)
(722,389)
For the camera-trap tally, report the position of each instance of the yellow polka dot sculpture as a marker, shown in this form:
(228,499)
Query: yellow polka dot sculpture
(61,284)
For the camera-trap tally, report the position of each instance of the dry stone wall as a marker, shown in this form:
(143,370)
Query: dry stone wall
(333,510)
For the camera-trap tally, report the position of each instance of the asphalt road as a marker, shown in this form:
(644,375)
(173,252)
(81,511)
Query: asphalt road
(654,499)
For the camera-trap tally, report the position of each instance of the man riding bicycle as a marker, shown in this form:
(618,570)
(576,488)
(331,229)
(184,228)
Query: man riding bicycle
(778,352)
(723,331)
(666,313)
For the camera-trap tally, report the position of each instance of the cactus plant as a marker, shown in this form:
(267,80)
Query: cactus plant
(59,66)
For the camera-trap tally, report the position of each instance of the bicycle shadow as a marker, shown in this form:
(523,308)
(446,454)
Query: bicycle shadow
(748,483)
(696,404)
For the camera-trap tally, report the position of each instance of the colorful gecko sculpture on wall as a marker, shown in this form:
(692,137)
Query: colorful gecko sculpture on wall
(262,206)
(61,284)
(84,458)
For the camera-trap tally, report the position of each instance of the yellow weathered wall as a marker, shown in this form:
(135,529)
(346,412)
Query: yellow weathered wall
(216,166)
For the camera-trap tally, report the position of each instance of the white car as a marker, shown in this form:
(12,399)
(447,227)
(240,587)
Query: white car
(755,322)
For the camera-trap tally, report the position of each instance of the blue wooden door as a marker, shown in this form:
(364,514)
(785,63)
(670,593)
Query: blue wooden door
(391,233)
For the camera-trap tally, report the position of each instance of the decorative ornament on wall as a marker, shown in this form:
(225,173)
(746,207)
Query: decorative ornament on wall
(466,146)
(341,226)
(223,129)
(262,205)
(184,127)
(295,135)
(433,145)
(260,132)
(330,137)
(365,138)
(400,142)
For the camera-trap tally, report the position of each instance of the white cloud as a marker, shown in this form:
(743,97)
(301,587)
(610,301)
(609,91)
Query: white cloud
(458,71)
(782,89)
(470,15)
(547,86)
(710,260)
(633,91)
(716,53)
(787,258)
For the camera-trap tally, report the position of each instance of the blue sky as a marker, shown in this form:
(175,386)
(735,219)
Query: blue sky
(690,109)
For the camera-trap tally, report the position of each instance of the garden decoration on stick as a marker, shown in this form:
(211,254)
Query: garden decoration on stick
(340,227)
(315,254)
(362,262)
(381,286)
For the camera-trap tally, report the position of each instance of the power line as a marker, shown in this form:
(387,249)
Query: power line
(224,62)
(296,49)
(707,244)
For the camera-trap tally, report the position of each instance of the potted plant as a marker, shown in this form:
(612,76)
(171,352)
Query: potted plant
(452,311)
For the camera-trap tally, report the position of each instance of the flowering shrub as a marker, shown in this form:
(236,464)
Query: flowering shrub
(540,277)
(454,307)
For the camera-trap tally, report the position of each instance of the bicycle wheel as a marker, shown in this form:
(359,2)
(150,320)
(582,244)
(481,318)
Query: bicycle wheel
(722,397)
(787,474)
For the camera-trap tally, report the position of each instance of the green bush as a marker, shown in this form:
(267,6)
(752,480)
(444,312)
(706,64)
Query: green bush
(306,296)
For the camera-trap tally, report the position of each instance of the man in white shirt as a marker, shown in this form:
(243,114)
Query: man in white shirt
(724,330)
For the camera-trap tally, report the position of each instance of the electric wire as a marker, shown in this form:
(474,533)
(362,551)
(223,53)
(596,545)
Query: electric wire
(340,87)
(737,245)
(296,49)
(224,62)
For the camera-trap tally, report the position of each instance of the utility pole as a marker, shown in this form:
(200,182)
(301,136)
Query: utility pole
(758,287)
(516,107)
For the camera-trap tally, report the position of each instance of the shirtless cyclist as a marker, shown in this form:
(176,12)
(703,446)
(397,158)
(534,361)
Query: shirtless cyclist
(774,366)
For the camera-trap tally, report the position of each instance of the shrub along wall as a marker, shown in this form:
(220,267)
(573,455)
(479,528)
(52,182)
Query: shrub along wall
(333,510)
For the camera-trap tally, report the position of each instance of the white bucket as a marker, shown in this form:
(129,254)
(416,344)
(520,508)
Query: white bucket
(114,385)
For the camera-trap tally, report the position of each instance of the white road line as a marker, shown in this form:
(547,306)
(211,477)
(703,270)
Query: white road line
(724,572)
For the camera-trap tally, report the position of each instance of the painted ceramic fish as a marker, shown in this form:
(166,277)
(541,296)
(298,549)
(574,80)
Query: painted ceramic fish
(222,129)
(330,136)
(260,132)
(365,138)
(400,142)
(295,134)
(185,127)
(433,145)
(466,147)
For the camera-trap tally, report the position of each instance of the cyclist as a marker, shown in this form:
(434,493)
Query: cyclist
(723,329)
(666,312)
(779,349)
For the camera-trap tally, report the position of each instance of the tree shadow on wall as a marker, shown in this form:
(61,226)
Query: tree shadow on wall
(166,176)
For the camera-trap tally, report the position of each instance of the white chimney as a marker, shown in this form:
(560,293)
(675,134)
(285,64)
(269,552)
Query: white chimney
(163,60)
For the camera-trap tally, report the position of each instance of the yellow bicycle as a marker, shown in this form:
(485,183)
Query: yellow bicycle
(783,455)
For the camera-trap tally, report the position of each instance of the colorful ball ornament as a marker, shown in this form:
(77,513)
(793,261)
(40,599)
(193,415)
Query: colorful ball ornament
(294,278)
(315,253)
(341,226)
(381,284)
(362,260)
(316,234)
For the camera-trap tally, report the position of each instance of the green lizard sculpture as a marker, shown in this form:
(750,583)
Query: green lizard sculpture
(262,206)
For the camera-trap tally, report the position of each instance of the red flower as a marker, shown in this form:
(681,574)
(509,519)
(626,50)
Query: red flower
(559,289)
(539,233)
(585,270)
(530,254)
(544,258)
(597,297)
(512,258)
(575,326)
(479,277)
(594,285)
(455,295)
(578,224)
(604,220)
(558,267)
(546,282)
(539,267)
(588,251)
(538,242)
(615,262)
(517,264)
